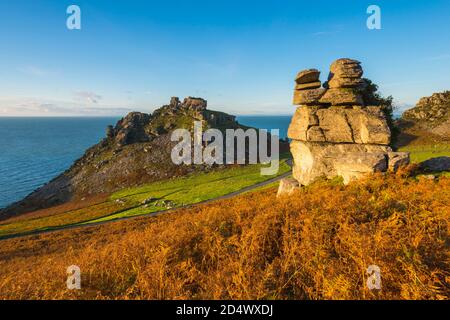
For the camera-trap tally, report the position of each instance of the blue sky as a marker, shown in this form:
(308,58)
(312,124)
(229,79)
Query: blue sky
(242,56)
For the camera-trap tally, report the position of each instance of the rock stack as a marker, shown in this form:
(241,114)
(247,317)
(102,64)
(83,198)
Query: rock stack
(333,133)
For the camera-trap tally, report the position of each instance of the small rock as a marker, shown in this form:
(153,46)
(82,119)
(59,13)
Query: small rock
(352,166)
(306,76)
(149,200)
(288,186)
(397,160)
(427,177)
(311,85)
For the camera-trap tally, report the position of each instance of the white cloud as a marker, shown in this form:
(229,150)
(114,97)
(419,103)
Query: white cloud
(44,107)
(88,97)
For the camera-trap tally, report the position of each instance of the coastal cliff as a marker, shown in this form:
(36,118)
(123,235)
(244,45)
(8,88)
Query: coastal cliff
(135,151)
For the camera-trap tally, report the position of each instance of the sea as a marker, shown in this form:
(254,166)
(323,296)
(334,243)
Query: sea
(35,150)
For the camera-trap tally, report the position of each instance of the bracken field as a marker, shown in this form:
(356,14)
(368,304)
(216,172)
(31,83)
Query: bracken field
(315,244)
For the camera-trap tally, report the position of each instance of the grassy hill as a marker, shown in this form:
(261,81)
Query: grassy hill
(134,152)
(316,244)
(145,199)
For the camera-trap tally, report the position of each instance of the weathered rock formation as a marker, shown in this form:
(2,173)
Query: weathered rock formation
(334,133)
(135,151)
(431,114)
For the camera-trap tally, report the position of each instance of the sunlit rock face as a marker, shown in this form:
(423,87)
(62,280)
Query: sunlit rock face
(333,133)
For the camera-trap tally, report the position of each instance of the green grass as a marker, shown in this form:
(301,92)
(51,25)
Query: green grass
(128,202)
(425,152)
(190,190)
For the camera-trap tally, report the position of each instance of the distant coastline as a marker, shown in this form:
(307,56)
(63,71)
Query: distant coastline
(37,149)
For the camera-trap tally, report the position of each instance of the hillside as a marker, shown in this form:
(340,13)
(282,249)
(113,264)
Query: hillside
(135,151)
(315,244)
(148,199)
(428,122)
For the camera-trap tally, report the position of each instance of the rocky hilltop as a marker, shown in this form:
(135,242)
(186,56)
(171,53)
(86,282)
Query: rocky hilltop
(431,114)
(135,151)
(336,131)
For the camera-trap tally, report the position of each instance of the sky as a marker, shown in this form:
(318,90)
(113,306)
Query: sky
(241,56)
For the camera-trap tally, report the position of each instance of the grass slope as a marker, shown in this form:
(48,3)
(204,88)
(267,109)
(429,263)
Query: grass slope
(424,152)
(129,202)
(315,244)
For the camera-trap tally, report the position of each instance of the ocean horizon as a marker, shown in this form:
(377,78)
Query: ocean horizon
(35,150)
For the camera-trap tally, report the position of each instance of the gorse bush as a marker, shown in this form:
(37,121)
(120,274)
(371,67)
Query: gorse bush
(315,244)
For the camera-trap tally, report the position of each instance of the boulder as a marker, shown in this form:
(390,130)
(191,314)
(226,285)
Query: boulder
(307,76)
(355,165)
(308,97)
(397,160)
(311,85)
(340,125)
(288,186)
(342,96)
(438,164)
(346,68)
(313,160)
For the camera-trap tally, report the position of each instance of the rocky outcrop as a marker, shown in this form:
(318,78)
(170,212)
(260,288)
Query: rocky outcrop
(334,133)
(131,129)
(431,114)
(433,109)
(313,160)
(340,125)
(135,151)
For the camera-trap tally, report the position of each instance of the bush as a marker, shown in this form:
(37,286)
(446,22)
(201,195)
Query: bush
(315,244)
(372,97)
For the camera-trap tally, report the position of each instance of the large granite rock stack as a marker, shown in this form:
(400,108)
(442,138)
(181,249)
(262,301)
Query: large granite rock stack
(333,133)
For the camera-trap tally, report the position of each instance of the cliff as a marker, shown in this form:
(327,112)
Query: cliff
(135,151)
